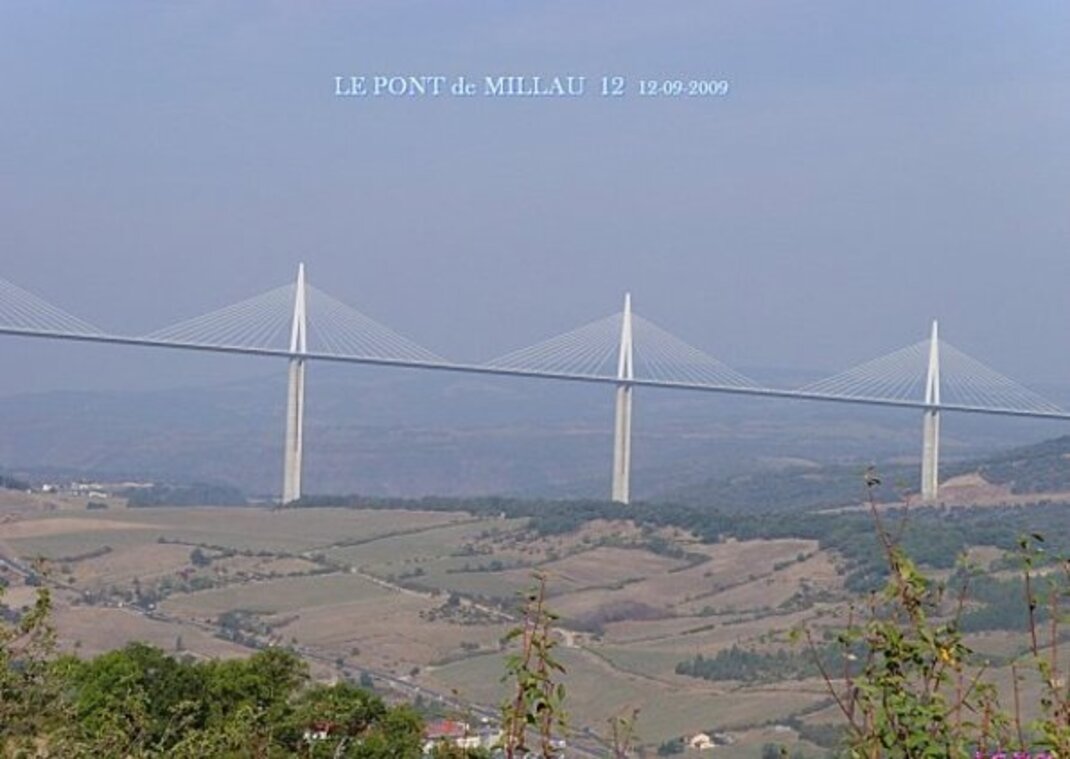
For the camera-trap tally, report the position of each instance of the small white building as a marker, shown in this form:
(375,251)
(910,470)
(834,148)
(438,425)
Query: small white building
(458,734)
(701,742)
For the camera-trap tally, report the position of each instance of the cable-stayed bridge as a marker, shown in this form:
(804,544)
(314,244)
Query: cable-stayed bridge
(301,323)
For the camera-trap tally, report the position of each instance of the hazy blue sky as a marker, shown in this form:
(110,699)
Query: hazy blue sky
(875,165)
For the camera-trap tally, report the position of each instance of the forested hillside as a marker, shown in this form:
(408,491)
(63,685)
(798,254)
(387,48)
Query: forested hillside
(1040,468)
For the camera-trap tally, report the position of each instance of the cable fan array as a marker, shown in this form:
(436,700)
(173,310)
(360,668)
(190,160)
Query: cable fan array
(593,350)
(964,381)
(341,330)
(265,322)
(21,310)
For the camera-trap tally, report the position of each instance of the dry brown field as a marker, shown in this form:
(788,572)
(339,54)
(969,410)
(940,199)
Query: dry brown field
(401,552)
(145,562)
(289,594)
(95,630)
(730,564)
(768,591)
(391,636)
(607,567)
(46,526)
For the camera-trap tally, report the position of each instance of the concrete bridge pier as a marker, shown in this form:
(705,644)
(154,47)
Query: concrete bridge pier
(622,431)
(930,450)
(295,397)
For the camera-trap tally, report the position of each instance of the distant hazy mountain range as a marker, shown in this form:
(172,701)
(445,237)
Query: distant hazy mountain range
(408,434)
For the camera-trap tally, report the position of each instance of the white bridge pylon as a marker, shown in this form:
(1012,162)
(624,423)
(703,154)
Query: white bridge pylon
(642,351)
(315,322)
(938,375)
(293,454)
(622,423)
(930,440)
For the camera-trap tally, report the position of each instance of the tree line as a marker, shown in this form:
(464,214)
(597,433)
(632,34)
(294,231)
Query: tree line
(140,702)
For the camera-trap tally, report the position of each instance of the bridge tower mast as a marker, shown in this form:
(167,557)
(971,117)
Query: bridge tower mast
(295,397)
(930,451)
(622,434)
